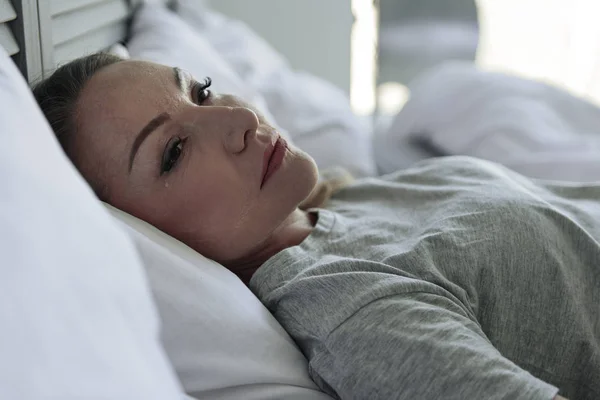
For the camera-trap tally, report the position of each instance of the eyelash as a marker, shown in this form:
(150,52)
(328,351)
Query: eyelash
(172,154)
(201,92)
(175,145)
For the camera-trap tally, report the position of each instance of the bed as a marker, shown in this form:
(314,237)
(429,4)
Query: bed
(94,293)
(111,298)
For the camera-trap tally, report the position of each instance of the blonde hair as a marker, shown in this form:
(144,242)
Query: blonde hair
(331,181)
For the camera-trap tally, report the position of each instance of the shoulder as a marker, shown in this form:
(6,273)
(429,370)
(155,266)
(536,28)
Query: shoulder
(439,179)
(453,166)
(436,178)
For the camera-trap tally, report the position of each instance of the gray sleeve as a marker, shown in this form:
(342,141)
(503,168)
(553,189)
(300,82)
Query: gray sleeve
(422,347)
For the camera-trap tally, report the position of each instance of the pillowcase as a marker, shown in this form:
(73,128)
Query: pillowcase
(222,342)
(120,50)
(77,317)
(316,114)
(159,35)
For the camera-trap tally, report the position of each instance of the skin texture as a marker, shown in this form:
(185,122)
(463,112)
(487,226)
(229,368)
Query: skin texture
(211,197)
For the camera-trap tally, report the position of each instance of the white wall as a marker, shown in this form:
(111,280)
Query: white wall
(556,41)
(314,35)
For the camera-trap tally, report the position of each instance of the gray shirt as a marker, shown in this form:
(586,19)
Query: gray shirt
(454,279)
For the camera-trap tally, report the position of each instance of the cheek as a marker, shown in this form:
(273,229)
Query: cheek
(208,211)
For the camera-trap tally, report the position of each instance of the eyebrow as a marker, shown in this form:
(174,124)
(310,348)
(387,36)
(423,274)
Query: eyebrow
(155,123)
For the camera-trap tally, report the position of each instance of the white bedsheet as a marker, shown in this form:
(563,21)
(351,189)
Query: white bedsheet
(533,128)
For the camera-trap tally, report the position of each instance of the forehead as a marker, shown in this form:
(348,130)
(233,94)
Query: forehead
(126,92)
(117,102)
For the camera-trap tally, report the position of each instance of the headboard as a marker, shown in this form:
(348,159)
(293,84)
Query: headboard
(42,34)
(7,39)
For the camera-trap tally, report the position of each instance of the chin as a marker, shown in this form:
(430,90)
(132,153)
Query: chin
(296,183)
(306,175)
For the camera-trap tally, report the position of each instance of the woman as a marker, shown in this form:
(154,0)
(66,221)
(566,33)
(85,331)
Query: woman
(453,279)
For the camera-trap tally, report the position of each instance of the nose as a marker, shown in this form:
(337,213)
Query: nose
(230,127)
(241,125)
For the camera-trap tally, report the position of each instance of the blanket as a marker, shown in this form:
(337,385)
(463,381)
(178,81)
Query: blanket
(536,129)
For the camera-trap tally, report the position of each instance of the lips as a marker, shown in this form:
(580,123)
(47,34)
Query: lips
(273,159)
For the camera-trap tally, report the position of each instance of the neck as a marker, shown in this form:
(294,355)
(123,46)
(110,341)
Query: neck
(294,229)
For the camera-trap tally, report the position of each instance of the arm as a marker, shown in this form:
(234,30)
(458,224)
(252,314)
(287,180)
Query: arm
(415,347)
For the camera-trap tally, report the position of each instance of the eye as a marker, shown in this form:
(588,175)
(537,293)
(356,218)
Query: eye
(201,92)
(172,154)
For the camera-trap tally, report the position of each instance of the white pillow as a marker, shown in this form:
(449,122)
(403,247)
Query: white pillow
(222,342)
(159,35)
(77,318)
(316,114)
(247,54)
(118,49)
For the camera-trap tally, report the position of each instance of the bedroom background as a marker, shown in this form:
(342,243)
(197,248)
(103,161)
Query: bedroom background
(371,49)
(58,234)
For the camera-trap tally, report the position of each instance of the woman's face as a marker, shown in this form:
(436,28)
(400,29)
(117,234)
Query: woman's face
(203,167)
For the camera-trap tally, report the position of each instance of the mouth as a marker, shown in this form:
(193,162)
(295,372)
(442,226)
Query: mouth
(273,159)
